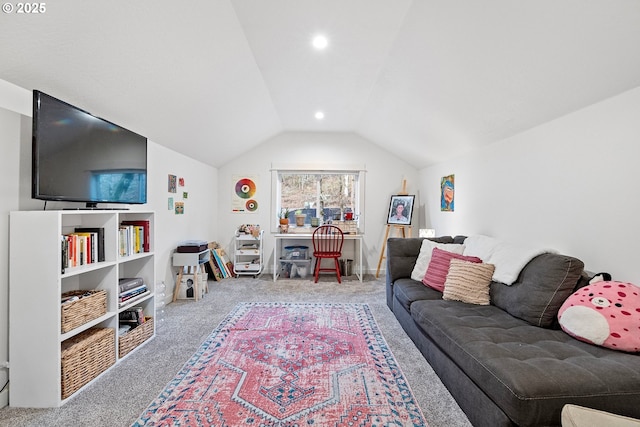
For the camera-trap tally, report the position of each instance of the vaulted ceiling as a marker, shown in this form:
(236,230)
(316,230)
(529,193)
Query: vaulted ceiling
(426,79)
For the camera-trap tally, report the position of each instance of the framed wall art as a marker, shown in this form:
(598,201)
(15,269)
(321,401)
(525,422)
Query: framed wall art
(447,186)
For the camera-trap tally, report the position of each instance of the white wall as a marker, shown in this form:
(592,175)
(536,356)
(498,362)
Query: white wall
(571,184)
(9,183)
(384,176)
(198,222)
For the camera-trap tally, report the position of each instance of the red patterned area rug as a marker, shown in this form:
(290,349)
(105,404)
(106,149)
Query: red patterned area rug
(286,365)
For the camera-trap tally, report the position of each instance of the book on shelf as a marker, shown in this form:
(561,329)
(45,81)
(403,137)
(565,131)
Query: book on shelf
(142,233)
(133,299)
(125,239)
(122,296)
(98,233)
(131,239)
(64,249)
(126,283)
(79,248)
(88,247)
(132,292)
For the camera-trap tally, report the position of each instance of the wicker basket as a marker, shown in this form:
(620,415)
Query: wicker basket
(135,337)
(91,305)
(85,356)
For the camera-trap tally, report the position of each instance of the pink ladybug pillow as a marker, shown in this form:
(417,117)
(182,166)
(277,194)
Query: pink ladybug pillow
(605,314)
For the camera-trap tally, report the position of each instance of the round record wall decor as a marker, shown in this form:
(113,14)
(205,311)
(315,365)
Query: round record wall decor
(245,189)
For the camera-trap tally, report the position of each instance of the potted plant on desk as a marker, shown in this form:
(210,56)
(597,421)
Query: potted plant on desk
(300,218)
(283,215)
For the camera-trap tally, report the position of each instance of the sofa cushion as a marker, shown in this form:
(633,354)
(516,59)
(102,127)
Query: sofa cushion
(407,291)
(439,267)
(542,286)
(459,239)
(424,257)
(530,372)
(468,282)
(604,313)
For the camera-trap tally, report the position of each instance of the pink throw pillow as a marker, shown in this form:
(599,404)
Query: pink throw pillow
(605,314)
(438,267)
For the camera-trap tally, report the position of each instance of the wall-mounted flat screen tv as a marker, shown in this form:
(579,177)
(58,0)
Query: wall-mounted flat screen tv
(78,157)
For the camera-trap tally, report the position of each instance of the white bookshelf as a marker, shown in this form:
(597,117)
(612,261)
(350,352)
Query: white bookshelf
(36,282)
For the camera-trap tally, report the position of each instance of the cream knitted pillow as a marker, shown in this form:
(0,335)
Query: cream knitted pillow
(468,282)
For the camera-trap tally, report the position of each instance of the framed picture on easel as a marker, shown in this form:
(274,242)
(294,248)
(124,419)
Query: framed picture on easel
(400,209)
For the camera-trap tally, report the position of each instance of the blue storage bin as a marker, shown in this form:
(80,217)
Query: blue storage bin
(296,252)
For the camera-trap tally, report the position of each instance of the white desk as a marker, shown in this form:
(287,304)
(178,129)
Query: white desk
(277,250)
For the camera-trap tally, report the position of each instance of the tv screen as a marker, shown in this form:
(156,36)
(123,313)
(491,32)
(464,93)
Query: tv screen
(78,157)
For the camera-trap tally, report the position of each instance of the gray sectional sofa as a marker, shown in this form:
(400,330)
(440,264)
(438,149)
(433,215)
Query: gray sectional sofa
(509,363)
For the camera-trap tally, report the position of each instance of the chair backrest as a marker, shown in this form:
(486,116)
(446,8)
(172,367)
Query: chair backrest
(327,238)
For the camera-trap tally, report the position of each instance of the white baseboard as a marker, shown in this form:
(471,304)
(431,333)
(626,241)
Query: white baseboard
(4,397)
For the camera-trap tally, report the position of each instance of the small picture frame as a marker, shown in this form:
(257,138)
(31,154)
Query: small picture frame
(400,209)
(179,208)
(172,183)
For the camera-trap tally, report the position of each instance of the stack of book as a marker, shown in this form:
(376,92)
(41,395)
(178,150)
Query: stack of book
(130,290)
(133,237)
(82,247)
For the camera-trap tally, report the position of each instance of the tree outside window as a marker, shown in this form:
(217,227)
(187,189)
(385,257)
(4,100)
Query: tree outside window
(319,194)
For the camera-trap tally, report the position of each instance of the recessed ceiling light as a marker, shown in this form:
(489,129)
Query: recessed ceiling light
(319,115)
(320,42)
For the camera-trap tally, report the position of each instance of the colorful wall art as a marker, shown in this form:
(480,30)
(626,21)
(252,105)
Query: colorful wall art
(447,185)
(243,196)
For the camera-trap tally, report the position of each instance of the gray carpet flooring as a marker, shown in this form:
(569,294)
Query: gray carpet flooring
(119,396)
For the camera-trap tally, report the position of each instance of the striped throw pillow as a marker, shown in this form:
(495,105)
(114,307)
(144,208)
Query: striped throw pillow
(468,282)
(439,267)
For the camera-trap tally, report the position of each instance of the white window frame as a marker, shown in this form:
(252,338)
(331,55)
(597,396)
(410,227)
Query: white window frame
(277,169)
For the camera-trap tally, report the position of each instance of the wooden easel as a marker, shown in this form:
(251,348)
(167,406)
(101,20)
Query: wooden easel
(402,230)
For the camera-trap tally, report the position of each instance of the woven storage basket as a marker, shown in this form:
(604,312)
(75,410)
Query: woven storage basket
(86,356)
(79,312)
(135,337)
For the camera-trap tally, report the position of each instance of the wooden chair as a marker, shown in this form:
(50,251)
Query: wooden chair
(327,243)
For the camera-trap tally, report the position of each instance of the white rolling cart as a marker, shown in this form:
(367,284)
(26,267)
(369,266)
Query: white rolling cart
(248,254)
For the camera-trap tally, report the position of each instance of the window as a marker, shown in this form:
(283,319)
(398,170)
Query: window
(325,194)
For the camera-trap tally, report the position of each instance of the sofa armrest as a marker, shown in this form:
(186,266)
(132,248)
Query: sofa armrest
(402,254)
